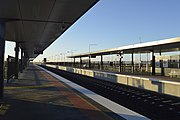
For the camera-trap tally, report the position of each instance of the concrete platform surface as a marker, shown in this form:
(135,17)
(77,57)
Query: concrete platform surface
(37,95)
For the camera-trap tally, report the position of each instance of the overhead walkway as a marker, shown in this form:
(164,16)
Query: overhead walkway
(38,95)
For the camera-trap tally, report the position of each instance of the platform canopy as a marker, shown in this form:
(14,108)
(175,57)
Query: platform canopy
(35,24)
(166,45)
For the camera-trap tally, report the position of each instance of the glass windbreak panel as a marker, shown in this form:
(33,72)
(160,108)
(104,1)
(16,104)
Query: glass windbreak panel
(168,61)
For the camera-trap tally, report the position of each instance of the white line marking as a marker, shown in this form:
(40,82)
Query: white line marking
(116,108)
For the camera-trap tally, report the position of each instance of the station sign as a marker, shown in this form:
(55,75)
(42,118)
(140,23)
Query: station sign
(38,52)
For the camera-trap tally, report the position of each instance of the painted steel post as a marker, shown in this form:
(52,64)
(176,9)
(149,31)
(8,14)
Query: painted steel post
(2,47)
(179,62)
(16,60)
(89,61)
(120,62)
(80,62)
(153,64)
(161,65)
(101,64)
(22,60)
(132,62)
(147,63)
(74,62)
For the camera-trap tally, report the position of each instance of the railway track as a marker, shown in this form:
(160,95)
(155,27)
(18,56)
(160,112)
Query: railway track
(151,104)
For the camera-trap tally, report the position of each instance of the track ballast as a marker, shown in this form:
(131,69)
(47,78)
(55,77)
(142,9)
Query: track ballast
(148,103)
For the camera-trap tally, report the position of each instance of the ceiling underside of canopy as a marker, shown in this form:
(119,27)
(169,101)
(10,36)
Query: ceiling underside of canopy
(35,24)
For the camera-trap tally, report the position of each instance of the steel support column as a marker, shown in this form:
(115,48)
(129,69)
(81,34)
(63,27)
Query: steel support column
(161,65)
(179,62)
(120,62)
(16,60)
(132,62)
(2,47)
(74,62)
(80,62)
(26,61)
(153,64)
(101,64)
(89,61)
(24,65)
(22,60)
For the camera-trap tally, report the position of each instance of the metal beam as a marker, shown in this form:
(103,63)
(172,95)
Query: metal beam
(2,47)
(16,60)
(33,20)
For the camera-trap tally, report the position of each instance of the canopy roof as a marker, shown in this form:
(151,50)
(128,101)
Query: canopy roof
(167,45)
(35,24)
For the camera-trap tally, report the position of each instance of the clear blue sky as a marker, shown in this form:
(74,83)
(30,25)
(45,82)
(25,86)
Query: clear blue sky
(114,23)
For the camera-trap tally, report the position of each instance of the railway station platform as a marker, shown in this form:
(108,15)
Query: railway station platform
(160,84)
(39,95)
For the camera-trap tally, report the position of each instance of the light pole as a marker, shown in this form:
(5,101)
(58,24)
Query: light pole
(56,57)
(89,54)
(71,51)
(140,64)
(90,47)
(52,58)
(60,57)
(63,57)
